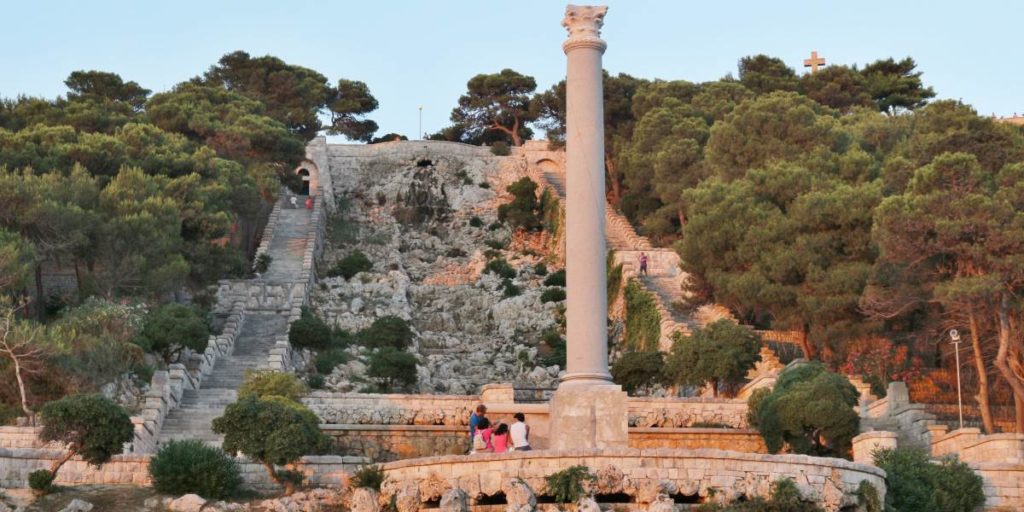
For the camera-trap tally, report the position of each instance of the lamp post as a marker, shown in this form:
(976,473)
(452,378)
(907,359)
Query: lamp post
(420,136)
(954,336)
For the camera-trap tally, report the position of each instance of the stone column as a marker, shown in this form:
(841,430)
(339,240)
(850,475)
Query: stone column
(588,410)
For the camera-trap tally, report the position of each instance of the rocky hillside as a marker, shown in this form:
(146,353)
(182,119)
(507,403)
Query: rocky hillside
(429,226)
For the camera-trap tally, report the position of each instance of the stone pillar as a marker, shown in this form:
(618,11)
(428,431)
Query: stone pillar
(588,410)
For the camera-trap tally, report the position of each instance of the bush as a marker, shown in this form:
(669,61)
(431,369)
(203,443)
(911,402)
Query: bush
(351,265)
(369,476)
(315,381)
(272,430)
(523,211)
(509,289)
(8,414)
(810,409)
(643,322)
(500,148)
(92,426)
(540,269)
(325,362)
(495,244)
(261,384)
(494,226)
(171,328)
(568,485)
(915,484)
(868,498)
(387,331)
(309,331)
(484,185)
(191,467)
(392,368)
(556,278)
(556,343)
(638,370)
(263,262)
(720,354)
(553,294)
(41,481)
(476,222)
(501,268)
(754,405)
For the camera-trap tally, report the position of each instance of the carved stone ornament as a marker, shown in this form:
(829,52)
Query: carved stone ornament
(584,24)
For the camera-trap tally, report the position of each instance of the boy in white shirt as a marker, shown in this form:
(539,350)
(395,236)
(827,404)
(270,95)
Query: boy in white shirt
(520,433)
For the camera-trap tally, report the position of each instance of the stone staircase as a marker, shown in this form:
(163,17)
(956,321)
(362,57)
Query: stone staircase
(194,416)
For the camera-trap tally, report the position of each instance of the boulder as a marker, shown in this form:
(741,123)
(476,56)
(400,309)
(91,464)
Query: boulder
(407,499)
(587,504)
(187,503)
(519,496)
(77,505)
(365,500)
(662,503)
(454,500)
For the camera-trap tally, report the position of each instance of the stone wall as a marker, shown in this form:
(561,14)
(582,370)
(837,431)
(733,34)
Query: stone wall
(641,474)
(685,412)
(740,440)
(385,443)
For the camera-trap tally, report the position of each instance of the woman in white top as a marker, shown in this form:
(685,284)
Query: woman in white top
(520,433)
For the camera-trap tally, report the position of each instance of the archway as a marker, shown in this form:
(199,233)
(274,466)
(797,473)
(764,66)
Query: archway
(304,173)
(309,173)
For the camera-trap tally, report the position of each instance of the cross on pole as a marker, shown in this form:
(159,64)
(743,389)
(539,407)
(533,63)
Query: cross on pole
(814,62)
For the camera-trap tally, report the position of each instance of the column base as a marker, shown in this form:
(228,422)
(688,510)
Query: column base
(589,416)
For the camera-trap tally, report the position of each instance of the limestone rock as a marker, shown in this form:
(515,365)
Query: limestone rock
(587,504)
(187,503)
(647,491)
(365,500)
(407,499)
(662,504)
(454,500)
(519,496)
(4,507)
(77,505)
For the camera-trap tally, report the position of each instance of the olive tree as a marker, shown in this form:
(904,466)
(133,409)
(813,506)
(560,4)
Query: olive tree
(91,426)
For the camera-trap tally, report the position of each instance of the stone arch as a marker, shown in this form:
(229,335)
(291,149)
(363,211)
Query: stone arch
(547,165)
(310,174)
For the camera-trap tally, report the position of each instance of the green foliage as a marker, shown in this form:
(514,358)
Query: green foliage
(501,268)
(349,103)
(495,244)
(326,361)
(369,476)
(638,370)
(309,331)
(41,481)
(272,430)
(509,289)
(868,497)
(191,467)
(568,485)
(643,322)
(16,261)
(913,483)
(494,226)
(263,263)
(785,497)
(710,424)
(754,406)
(553,294)
(496,107)
(316,381)
(556,278)
(352,264)
(720,353)
(810,410)
(556,344)
(500,148)
(93,426)
(262,384)
(171,328)
(763,74)
(393,369)
(524,210)
(540,269)
(387,331)
(8,414)
(614,279)
(894,86)
(476,222)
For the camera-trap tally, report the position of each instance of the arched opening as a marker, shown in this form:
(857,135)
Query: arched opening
(304,174)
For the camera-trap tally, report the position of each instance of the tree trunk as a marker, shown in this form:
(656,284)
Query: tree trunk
(613,180)
(21,390)
(40,310)
(682,218)
(979,364)
(1002,361)
(289,487)
(805,344)
(60,462)
(516,139)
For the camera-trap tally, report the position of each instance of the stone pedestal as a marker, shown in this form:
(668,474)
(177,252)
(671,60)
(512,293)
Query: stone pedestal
(589,416)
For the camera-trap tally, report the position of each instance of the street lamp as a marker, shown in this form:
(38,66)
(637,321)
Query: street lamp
(954,335)
(420,137)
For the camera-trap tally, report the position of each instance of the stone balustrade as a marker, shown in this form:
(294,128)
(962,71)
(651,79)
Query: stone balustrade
(697,475)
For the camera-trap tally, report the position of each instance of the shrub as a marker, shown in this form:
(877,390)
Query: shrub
(556,343)
(556,278)
(638,370)
(476,222)
(369,476)
(261,384)
(8,413)
(92,426)
(785,497)
(41,481)
(720,353)
(192,467)
(553,294)
(643,322)
(569,484)
(754,405)
(309,331)
(387,331)
(509,289)
(868,498)
(540,269)
(263,262)
(351,265)
(392,368)
(484,185)
(171,328)
(915,484)
(495,244)
(325,362)
(500,148)
(614,278)
(810,409)
(315,381)
(272,430)
(523,211)
(494,226)
(501,268)
(710,424)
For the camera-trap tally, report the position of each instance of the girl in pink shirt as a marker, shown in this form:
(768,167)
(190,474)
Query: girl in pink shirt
(500,439)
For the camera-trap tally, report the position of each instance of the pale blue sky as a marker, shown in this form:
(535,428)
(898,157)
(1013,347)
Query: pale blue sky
(422,53)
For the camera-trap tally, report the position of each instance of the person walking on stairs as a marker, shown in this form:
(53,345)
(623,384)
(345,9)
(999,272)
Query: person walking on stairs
(643,263)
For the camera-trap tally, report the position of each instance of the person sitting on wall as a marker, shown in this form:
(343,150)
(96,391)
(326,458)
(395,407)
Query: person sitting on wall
(483,437)
(520,433)
(500,442)
(474,421)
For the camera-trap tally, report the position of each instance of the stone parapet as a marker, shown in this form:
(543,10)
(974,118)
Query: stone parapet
(704,474)
(739,440)
(864,445)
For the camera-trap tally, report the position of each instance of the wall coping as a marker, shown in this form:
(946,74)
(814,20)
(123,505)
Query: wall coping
(693,430)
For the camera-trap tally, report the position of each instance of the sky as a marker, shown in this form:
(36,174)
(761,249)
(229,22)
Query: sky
(416,54)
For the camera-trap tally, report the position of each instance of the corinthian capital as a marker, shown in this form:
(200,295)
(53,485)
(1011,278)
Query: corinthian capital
(584,25)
